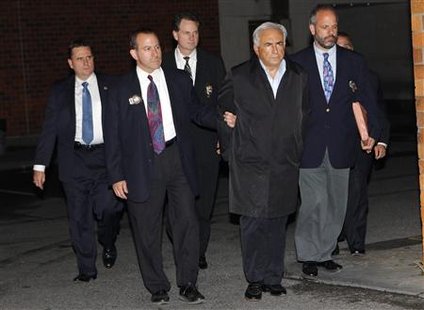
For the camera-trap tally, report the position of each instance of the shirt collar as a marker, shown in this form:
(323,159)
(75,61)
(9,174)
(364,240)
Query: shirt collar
(143,74)
(280,71)
(180,56)
(90,79)
(320,51)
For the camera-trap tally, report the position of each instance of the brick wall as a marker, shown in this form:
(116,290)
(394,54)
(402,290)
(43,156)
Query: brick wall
(35,35)
(417,21)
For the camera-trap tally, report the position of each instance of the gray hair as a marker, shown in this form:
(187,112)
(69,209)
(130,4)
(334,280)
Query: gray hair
(265,26)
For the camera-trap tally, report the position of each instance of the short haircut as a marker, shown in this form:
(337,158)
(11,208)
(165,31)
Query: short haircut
(134,34)
(176,21)
(321,7)
(77,43)
(344,34)
(265,26)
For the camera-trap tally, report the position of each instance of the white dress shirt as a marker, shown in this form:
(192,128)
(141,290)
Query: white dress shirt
(275,82)
(180,61)
(320,61)
(96,109)
(165,102)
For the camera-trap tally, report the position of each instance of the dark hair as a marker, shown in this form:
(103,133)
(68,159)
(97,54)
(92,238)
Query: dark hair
(176,21)
(321,7)
(133,36)
(77,43)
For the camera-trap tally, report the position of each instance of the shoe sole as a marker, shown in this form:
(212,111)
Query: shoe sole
(195,302)
(162,302)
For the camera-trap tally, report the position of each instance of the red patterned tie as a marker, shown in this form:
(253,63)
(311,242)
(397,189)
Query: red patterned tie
(154,115)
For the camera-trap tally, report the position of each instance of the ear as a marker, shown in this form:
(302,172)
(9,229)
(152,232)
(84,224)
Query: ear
(70,64)
(256,50)
(175,35)
(312,29)
(133,54)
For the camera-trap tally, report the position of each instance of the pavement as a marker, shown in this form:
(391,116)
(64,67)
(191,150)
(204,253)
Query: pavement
(393,250)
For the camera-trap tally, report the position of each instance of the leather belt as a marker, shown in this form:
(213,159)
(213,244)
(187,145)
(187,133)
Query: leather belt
(170,142)
(85,147)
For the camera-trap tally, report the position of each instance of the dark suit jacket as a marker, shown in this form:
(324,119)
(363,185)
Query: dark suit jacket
(332,126)
(265,147)
(129,151)
(210,73)
(382,110)
(59,124)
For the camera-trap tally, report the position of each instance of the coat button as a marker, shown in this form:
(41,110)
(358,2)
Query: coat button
(327,110)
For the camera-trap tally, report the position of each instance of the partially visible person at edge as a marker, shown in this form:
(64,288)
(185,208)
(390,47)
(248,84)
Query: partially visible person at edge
(74,124)
(268,95)
(355,223)
(207,72)
(150,158)
(336,78)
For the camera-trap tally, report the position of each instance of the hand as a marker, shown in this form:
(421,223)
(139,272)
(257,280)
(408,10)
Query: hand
(120,189)
(38,178)
(367,145)
(230,119)
(379,151)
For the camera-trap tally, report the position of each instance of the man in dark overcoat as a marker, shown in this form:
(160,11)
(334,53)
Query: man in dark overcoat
(268,95)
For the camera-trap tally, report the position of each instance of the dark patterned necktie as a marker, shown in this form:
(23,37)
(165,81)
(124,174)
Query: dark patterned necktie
(187,66)
(328,77)
(154,115)
(87,115)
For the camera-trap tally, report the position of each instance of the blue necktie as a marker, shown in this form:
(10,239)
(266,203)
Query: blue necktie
(87,115)
(154,116)
(328,77)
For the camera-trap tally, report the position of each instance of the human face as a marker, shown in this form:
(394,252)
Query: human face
(344,42)
(82,62)
(187,36)
(148,53)
(270,48)
(324,30)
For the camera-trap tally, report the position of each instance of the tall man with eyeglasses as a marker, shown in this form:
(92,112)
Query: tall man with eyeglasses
(74,126)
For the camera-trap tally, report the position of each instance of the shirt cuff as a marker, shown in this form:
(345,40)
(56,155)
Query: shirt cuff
(40,168)
(383,144)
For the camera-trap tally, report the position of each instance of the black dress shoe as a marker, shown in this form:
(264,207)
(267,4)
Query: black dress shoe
(203,264)
(253,291)
(85,278)
(109,256)
(310,269)
(160,297)
(274,289)
(330,265)
(190,294)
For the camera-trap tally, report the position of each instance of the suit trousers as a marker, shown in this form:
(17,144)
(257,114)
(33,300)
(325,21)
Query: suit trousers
(323,193)
(146,220)
(208,177)
(355,224)
(263,244)
(89,199)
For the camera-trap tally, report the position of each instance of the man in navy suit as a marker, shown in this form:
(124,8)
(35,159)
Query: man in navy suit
(150,158)
(207,72)
(337,77)
(82,164)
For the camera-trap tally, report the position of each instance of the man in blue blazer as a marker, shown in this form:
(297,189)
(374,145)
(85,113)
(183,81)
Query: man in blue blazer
(207,72)
(150,158)
(81,159)
(337,78)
